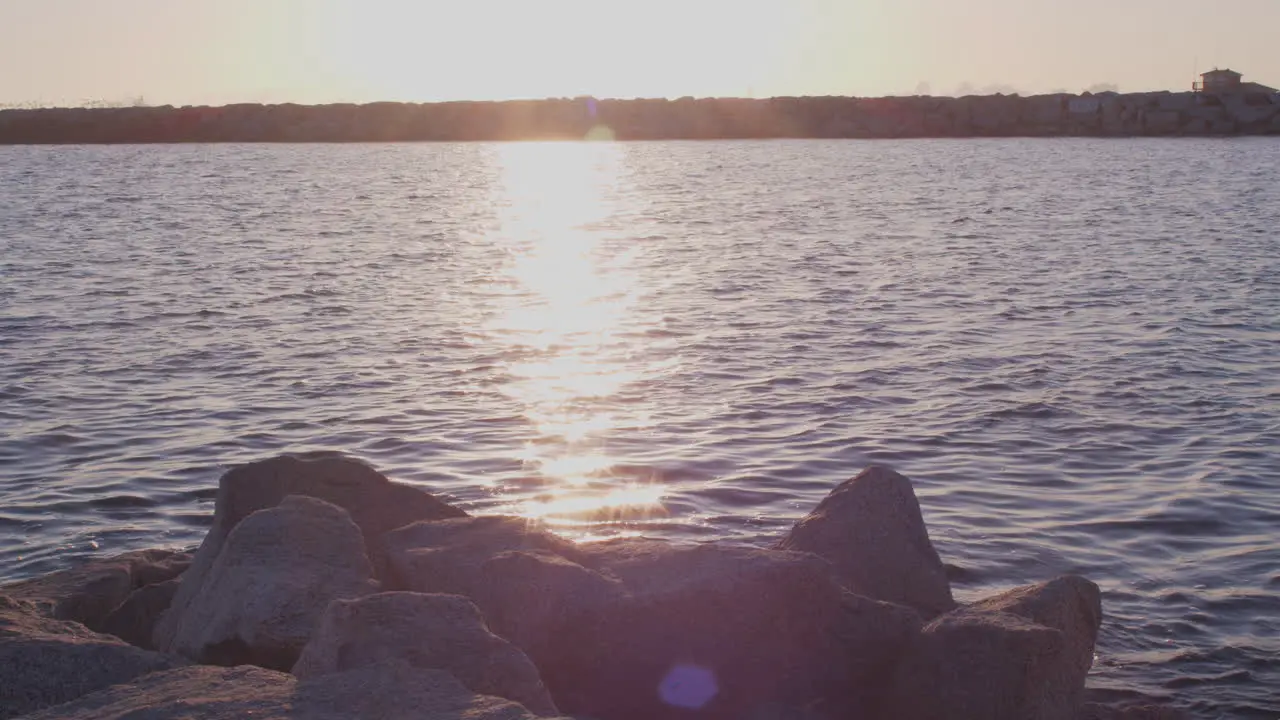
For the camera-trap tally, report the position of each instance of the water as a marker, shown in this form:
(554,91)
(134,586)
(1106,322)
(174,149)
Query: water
(1069,345)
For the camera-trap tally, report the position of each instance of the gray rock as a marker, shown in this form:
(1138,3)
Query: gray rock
(277,572)
(445,556)
(536,599)
(1070,604)
(530,597)
(44,662)
(88,593)
(135,620)
(871,529)
(1021,655)
(392,692)
(434,632)
(376,504)
(724,632)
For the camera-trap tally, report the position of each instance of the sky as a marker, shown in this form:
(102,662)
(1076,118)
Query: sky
(211,52)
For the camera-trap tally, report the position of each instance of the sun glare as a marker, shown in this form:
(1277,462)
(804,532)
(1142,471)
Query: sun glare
(569,292)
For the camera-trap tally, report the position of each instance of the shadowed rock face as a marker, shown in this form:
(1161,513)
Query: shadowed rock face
(445,556)
(871,529)
(376,504)
(433,632)
(89,593)
(135,620)
(1021,655)
(386,692)
(277,572)
(1069,604)
(44,662)
(535,598)
(715,632)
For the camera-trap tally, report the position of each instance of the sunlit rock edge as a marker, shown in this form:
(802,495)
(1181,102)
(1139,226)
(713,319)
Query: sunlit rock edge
(385,602)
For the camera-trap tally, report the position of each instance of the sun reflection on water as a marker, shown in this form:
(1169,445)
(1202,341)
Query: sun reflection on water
(570,293)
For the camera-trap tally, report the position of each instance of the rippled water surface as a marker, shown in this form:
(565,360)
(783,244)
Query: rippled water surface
(1070,346)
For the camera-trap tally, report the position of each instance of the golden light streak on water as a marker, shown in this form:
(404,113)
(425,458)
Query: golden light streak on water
(569,296)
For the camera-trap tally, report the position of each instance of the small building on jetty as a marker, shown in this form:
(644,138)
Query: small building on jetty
(1227,81)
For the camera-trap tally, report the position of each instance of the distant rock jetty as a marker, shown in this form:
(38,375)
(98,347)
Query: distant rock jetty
(325,591)
(1156,114)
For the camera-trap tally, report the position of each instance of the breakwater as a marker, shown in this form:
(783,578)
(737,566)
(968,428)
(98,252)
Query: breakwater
(356,596)
(1154,114)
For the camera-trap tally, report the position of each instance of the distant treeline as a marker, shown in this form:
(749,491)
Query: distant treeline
(1105,114)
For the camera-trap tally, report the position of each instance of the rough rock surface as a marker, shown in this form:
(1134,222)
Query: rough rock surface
(45,662)
(721,633)
(1069,604)
(135,620)
(376,504)
(445,556)
(393,692)
(534,598)
(1021,655)
(871,529)
(277,572)
(433,632)
(88,593)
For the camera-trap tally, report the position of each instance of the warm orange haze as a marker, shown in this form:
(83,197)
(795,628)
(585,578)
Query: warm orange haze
(318,51)
(639,359)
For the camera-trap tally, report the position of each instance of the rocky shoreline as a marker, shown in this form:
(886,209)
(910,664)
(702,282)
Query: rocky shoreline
(1152,114)
(325,590)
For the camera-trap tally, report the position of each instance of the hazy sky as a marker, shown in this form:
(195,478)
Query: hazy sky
(218,51)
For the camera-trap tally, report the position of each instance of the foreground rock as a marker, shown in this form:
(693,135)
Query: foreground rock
(376,504)
(872,530)
(89,593)
(277,572)
(722,632)
(135,620)
(535,600)
(1071,605)
(433,632)
(390,692)
(629,629)
(45,662)
(445,556)
(1022,655)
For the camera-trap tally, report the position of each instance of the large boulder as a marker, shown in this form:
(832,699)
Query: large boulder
(434,632)
(44,662)
(389,692)
(262,598)
(871,529)
(1070,604)
(90,592)
(721,632)
(376,504)
(445,556)
(533,599)
(1022,655)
